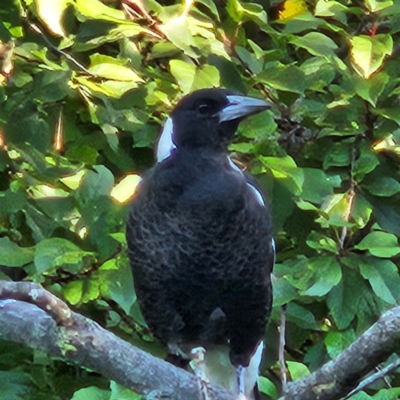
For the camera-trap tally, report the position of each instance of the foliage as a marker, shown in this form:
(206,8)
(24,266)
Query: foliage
(85,87)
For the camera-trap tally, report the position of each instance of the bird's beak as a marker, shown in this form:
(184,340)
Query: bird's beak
(240,107)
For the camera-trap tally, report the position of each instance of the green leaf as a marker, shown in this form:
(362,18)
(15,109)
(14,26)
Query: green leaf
(96,183)
(254,64)
(178,32)
(51,12)
(316,44)
(384,186)
(116,282)
(336,209)
(374,5)
(111,68)
(183,73)
(73,292)
(11,202)
(327,274)
(267,387)
(300,316)
(380,244)
(331,9)
(95,9)
(52,253)
(336,342)
(229,73)
(371,89)
(320,242)
(288,78)
(319,73)
(343,299)
(11,255)
(366,162)
(316,178)
(383,277)
(191,78)
(82,153)
(258,127)
(92,393)
(15,385)
(283,292)
(368,52)
(119,392)
(387,394)
(297,370)
(241,12)
(285,169)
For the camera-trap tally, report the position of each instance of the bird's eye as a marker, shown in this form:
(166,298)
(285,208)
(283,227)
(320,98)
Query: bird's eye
(203,108)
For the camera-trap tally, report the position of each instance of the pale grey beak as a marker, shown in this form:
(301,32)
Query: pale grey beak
(242,106)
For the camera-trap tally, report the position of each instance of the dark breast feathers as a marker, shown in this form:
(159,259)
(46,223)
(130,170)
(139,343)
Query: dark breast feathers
(201,251)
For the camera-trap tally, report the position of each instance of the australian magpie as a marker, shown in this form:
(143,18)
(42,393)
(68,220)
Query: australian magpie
(200,239)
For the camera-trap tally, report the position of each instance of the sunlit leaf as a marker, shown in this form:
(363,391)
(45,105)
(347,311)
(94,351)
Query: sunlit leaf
(376,5)
(95,9)
(292,8)
(125,188)
(368,52)
(51,13)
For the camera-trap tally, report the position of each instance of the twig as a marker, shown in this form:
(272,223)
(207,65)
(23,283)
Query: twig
(373,378)
(336,378)
(37,30)
(282,342)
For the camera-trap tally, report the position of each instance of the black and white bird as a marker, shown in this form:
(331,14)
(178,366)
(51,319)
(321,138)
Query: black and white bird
(200,241)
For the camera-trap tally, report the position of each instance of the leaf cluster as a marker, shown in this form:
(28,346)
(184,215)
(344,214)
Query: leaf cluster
(84,89)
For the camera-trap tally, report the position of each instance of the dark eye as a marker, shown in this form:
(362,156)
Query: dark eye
(203,108)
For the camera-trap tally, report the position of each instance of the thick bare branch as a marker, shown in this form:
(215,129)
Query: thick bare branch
(32,316)
(338,377)
(28,315)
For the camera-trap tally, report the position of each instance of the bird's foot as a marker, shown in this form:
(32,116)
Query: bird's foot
(197,364)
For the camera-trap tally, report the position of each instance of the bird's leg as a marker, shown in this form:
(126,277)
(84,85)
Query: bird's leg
(197,355)
(198,366)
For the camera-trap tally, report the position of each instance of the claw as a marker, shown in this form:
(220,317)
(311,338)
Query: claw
(197,364)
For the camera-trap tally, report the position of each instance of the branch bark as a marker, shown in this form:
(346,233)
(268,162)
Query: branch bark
(338,377)
(34,317)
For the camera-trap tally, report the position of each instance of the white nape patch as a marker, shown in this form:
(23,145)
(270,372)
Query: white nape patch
(166,143)
(273,244)
(234,166)
(257,193)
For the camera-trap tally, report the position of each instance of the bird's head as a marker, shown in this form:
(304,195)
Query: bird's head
(206,118)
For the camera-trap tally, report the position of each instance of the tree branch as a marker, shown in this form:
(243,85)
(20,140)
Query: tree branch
(338,377)
(34,317)
(29,315)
